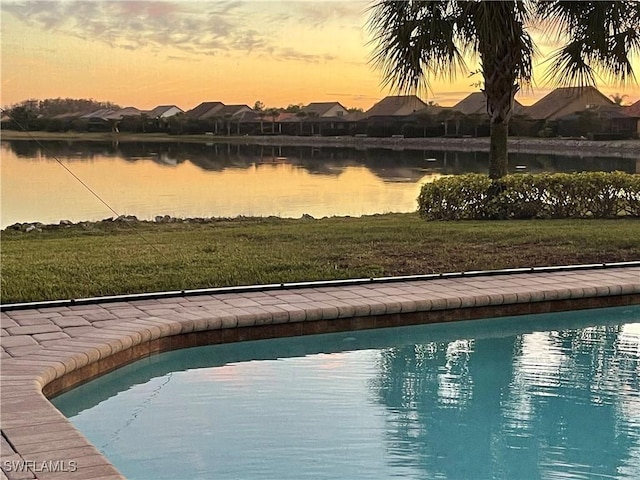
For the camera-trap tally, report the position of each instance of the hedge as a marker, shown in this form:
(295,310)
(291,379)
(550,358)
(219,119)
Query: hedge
(546,195)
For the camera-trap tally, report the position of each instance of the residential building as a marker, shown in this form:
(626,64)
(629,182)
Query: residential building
(325,109)
(394,106)
(476,103)
(633,109)
(164,111)
(232,110)
(124,112)
(602,122)
(98,114)
(204,110)
(565,101)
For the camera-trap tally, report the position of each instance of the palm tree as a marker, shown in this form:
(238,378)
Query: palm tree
(273,113)
(618,99)
(418,40)
(301,114)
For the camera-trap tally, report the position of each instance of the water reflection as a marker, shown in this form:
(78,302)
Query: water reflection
(566,405)
(203,180)
(321,160)
(545,396)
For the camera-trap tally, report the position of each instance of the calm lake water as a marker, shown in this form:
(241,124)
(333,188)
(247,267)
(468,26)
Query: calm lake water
(147,179)
(554,396)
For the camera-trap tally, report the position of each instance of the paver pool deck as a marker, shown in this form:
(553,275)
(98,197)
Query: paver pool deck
(47,350)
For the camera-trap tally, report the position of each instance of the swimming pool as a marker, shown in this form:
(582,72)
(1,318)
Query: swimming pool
(539,396)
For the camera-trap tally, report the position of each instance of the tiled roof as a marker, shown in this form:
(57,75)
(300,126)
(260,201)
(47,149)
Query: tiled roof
(231,110)
(549,106)
(204,110)
(476,103)
(160,110)
(124,112)
(287,117)
(396,105)
(68,116)
(102,113)
(321,108)
(634,109)
(354,116)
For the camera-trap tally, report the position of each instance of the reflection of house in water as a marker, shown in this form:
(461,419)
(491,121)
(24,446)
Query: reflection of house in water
(406,165)
(403,174)
(166,158)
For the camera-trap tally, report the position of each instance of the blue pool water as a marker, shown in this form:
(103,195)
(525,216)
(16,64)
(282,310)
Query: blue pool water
(541,396)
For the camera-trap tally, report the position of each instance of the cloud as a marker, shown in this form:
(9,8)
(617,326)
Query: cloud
(353,96)
(202,28)
(317,14)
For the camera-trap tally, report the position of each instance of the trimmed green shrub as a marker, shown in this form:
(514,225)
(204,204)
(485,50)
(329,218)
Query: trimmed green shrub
(546,195)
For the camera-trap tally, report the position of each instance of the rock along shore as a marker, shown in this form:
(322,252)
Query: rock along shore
(28,227)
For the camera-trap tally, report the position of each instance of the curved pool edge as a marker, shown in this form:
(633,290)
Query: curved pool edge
(48,350)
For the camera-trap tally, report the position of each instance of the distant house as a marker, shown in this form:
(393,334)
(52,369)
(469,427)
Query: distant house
(232,114)
(204,110)
(232,110)
(603,122)
(390,116)
(123,112)
(68,116)
(100,120)
(101,114)
(565,101)
(476,103)
(324,109)
(633,109)
(164,111)
(395,106)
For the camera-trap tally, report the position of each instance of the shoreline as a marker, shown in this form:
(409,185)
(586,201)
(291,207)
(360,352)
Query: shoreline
(554,146)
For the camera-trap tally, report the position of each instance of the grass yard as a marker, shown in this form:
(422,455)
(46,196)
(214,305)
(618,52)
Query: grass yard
(110,258)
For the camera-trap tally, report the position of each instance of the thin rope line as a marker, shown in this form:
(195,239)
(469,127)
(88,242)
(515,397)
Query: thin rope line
(95,194)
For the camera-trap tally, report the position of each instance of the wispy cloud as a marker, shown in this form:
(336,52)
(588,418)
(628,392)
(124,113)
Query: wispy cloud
(202,28)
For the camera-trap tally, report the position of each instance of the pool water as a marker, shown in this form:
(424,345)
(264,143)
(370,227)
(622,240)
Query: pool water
(540,396)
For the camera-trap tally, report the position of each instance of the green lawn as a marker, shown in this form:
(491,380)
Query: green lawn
(109,258)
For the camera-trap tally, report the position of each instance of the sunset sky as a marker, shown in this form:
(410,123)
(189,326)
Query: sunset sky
(144,54)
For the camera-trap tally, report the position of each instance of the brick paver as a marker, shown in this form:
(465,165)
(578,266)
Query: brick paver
(42,346)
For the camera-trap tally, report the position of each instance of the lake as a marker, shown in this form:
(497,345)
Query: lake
(50,181)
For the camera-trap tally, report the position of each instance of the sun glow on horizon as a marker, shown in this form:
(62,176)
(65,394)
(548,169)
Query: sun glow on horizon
(145,54)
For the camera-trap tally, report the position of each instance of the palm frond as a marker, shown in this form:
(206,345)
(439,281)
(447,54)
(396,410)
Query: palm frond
(601,39)
(414,41)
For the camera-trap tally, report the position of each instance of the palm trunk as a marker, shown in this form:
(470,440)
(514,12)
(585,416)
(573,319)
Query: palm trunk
(498,150)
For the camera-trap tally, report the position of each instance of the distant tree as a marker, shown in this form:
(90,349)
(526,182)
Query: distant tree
(313,115)
(176,123)
(51,107)
(450,115)
(258,106)
(294,108)
(355,110)
(425,120)
(301,116)
(273,113)
(261,115)
(21,118)
(227,122)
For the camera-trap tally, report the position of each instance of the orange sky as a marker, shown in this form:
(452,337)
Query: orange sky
(145,53)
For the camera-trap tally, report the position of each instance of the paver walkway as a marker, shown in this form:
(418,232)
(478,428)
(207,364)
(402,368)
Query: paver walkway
(45,350)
